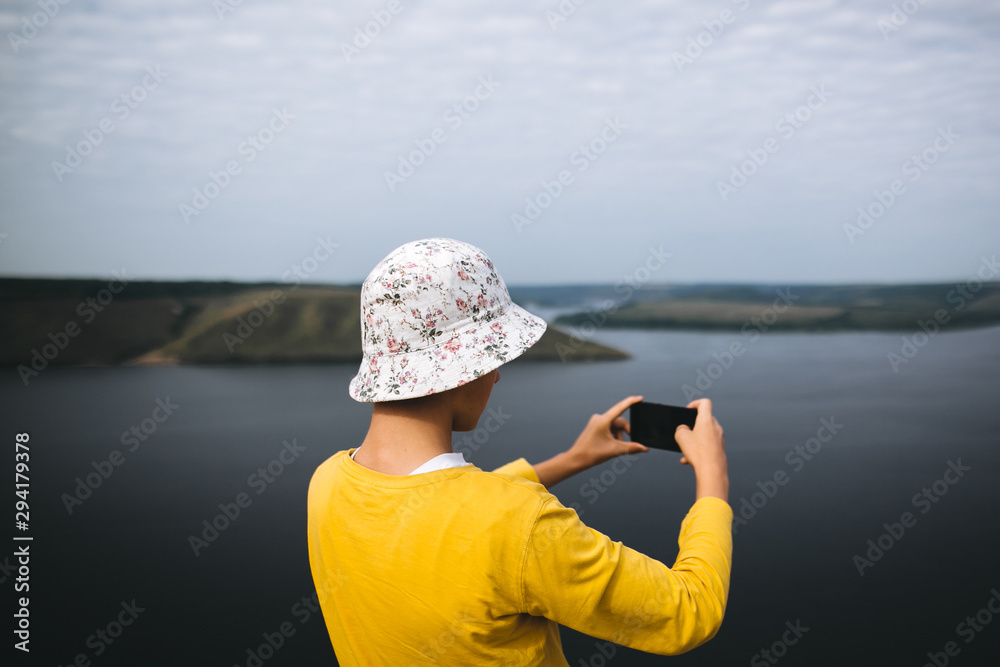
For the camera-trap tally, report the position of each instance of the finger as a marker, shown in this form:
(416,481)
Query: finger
(704,406)
(620,407)
(684,460)
(637,447)
(696,403)
(621,423)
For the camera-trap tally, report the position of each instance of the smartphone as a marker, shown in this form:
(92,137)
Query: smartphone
(653,424)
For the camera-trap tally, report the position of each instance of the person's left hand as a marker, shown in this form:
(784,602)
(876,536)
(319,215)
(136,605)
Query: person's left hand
(603,437)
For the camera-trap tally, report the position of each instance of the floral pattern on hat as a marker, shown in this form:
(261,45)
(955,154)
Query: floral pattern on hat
(435,314)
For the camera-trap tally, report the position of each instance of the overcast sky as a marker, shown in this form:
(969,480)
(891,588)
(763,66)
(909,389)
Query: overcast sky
(738,136)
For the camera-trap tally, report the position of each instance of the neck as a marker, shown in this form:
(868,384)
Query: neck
(402,438)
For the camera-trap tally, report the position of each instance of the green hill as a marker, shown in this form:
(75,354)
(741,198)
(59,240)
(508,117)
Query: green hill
(807,308)
(81,322)
(65,322)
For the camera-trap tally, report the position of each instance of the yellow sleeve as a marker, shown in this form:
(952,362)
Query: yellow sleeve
(521,468)
(578,577)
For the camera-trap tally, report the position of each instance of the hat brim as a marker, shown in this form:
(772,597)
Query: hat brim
(459,357)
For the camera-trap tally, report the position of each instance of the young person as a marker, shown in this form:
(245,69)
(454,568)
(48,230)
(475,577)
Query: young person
(420,558)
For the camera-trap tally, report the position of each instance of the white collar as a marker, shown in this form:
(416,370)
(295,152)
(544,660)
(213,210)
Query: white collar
(439,462)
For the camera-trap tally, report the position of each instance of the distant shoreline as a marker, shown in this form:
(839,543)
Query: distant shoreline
(114,322)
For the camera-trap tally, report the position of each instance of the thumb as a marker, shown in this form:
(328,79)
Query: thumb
(636,447)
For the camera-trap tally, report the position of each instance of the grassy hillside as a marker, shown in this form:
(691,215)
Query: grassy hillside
(196,323)
(308,325)
(812,308)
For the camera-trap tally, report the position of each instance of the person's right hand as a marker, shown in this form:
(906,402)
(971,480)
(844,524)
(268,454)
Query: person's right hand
(704,449)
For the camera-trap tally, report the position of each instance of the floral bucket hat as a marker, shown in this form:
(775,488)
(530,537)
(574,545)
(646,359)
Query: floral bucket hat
(435,314)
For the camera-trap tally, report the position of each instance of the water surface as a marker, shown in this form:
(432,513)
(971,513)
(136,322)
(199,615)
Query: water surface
(898,433)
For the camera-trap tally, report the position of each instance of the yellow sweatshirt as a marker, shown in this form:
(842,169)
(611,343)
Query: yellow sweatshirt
(467,567)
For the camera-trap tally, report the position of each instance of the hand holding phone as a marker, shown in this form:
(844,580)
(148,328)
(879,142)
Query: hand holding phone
(654,424)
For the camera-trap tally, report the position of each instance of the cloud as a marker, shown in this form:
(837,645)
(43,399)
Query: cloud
(700,91)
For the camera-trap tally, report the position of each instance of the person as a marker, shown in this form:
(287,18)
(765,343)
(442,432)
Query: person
(420,558)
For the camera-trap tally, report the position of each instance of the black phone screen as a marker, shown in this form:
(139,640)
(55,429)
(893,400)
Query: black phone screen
(653,424)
